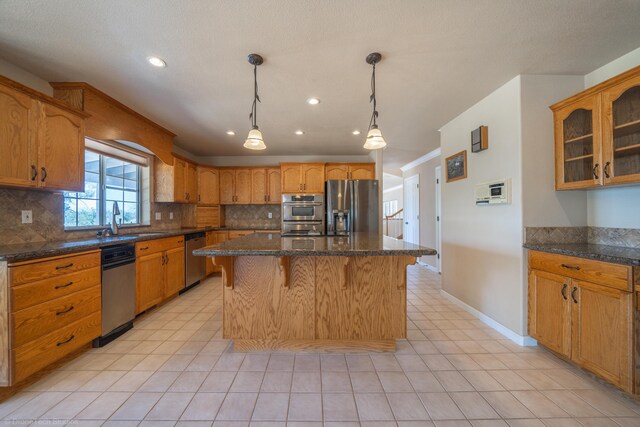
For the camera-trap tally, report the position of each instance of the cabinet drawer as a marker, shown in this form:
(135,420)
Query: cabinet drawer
(33,322)
(52,267)
(239,233)
(31,294)
(616,276)
(159,245)
(45,350)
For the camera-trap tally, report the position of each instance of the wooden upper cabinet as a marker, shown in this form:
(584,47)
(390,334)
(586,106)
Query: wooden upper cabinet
(549,311)
(227,185)
(258,186)
(597,134)
(243,186)
(60,140)
(208,186)
(18,154)
(350,171)
(602,333)
(191,185)
(621,132)
(337,171)
(179,180)
(362,171)
(291,177)
(313,178)
(274,192)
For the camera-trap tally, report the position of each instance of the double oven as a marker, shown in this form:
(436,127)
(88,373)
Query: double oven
(303,214)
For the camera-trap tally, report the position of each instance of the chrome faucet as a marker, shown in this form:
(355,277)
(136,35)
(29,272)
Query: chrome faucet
(114,225)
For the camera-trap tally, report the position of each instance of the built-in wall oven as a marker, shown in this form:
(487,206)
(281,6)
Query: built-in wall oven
(303,214)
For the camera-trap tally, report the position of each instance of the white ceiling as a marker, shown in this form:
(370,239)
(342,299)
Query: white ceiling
(439,57)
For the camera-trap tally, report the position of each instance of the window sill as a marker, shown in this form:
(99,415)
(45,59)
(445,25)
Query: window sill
(98,228)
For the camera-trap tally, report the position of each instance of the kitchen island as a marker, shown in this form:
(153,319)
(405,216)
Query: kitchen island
(332,293)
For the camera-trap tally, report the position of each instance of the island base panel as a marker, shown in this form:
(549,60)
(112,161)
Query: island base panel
(315,302)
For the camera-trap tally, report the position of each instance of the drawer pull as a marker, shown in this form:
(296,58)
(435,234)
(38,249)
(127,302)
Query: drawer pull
(145,248)
(570,267)
(180,241)
(62,267)
(573,294)
(60,313)
(564,288)
(63,286)
(68,340)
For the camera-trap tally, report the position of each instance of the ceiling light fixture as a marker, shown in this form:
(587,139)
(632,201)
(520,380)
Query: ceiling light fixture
(356,132)
(254,139)
(299,132)
(230,132)
(156,62)
(374,139)
(313,101)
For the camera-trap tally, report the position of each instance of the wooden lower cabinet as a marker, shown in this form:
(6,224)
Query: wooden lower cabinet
(159,271)
(591,324)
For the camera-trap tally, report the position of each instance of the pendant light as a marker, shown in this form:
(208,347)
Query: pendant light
(254,140)
(374,139)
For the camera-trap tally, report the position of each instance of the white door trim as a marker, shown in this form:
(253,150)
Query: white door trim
(411,199)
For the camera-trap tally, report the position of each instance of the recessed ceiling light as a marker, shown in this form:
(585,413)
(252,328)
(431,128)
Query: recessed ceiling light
(313,101)
(299,132)
(356,132)
(230,132)
(156,62)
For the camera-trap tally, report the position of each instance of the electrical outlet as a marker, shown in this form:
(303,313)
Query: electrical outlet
(27,217)
(170,215)
(158,216)
(270,215)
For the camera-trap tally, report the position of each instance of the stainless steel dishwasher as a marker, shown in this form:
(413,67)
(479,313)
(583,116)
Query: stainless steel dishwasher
(118,292)
(195,267)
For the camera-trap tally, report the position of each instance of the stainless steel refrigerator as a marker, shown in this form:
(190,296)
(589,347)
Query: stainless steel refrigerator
(352,206)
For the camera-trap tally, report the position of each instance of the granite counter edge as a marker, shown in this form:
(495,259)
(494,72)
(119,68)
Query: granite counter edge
(581,254)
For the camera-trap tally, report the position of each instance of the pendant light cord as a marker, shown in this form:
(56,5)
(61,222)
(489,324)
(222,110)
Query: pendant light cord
(256,98)
(374,115)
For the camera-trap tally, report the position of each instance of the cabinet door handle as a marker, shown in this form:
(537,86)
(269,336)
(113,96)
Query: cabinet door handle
(34,171)
(199,198)
(564,295)
(61,267)
(595,171)
(44,174)
(63,286)
(60,313)
(145,248)
(573,294)
(570,267)
(606,170)
(65,341)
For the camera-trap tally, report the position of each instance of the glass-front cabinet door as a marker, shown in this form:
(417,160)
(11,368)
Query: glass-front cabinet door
(577,129)
(621,132)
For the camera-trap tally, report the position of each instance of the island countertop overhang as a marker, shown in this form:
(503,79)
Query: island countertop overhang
(273,244)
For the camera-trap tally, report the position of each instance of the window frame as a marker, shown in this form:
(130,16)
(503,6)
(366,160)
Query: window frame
(102,197)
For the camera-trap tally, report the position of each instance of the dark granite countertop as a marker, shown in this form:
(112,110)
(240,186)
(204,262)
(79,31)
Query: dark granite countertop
(615,254)
(33,250)
(272,244)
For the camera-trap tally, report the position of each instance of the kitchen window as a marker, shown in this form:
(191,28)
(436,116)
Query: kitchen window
(108,179)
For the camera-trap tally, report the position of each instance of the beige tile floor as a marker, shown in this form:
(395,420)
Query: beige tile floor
(174,368)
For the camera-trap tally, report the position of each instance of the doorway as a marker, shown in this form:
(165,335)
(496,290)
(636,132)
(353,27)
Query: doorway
(411,229)
(438,183)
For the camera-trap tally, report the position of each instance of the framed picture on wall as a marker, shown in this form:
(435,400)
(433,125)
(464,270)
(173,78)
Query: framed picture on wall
(457,166)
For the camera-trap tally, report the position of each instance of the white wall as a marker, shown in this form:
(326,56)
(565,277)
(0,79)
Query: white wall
(614,207)
(26,78)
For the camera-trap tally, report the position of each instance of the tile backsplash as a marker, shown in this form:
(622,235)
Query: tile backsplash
(627,237)
(252,216)
(48,219)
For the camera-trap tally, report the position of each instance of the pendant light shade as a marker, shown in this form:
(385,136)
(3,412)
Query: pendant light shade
(254,139)
(374,139)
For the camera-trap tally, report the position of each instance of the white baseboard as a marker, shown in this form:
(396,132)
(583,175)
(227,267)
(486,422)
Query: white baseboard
(524,341)
(428,266)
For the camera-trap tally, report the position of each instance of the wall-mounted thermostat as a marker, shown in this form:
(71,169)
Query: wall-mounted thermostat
(493,193)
